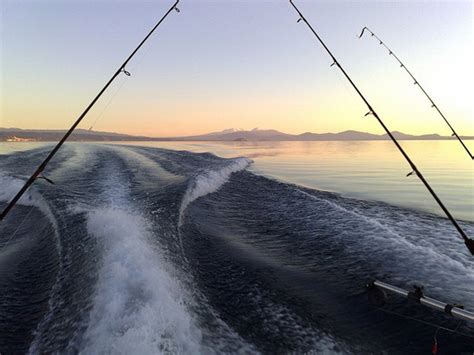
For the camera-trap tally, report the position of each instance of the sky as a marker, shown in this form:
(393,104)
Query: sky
(235,64)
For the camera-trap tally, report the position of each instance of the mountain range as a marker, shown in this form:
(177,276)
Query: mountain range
(17,134)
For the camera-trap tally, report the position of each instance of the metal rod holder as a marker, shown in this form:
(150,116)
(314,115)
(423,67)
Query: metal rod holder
(452,310)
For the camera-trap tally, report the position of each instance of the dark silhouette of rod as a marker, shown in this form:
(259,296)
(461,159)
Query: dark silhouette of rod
(416,82)
(469,242)
(121,69)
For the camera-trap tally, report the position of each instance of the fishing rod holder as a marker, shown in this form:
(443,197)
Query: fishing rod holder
(377,295)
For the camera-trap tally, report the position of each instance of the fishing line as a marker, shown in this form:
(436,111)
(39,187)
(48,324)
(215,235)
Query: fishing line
(120,70)
(455,330)
(135,67)
(467,241)
(417,83)
(18,227)
(28,214)
(112,97)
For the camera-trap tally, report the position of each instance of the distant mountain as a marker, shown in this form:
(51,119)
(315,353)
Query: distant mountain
(17,134)
(274,135)
(341,136)
(42,135)
(253,135)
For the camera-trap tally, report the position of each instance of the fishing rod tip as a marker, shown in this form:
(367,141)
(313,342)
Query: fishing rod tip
(363,30)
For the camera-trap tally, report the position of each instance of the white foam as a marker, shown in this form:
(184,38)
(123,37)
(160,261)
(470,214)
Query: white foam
(138,306)
(81,158)
(140,162)
(210,181)
(438,268)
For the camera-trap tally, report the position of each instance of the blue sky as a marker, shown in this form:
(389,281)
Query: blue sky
(242,64)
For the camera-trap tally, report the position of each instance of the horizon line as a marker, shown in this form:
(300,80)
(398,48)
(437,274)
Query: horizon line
(224,131)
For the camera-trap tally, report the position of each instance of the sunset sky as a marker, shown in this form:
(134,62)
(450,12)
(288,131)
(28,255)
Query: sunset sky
(235,64)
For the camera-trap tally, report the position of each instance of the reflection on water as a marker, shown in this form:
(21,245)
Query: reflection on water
(361,169)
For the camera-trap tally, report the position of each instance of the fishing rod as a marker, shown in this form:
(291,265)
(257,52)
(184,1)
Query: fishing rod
(416,82)
(121,69)
(469,242)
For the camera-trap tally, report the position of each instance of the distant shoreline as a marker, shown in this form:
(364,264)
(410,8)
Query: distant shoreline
(14,135)
(230,141)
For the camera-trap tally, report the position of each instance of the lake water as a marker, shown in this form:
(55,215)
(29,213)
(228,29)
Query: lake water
(372,170)
(150,250)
